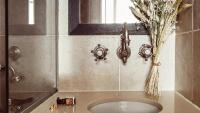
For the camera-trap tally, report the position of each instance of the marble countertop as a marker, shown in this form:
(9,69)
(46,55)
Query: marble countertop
(172,102)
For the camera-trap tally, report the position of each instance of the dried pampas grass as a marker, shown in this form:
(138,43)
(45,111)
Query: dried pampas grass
(159,16)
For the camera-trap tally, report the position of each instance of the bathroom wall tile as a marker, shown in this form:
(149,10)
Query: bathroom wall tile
(2,73)
(37,63)
(77,68)
(167,68)
(185,20)
(2,56)
(196,15)
(2,49)
(184,65)
(63,17)
(134,73)
(78,71)
(187,73)
(196,75)
(18,11)
(44,18)
(2,17)
(52,16)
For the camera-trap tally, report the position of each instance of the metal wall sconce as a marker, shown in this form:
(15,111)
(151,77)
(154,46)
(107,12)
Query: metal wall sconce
(100,52)
(146,51)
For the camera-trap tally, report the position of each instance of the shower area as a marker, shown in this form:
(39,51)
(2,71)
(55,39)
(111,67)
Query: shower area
(28,48)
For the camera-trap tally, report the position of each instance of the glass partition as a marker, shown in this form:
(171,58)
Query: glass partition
(3,84)
(32,53)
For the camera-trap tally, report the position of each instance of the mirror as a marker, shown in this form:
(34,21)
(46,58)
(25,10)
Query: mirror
(102,17)
(106,11)
(27,17)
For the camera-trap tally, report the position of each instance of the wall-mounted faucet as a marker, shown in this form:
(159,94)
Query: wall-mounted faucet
(123,52)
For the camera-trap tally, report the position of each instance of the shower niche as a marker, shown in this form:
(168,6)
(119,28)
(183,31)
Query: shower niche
(32,38)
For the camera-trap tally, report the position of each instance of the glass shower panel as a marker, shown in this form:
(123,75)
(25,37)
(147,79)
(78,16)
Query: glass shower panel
(3,100)
(32,53)
(2,59)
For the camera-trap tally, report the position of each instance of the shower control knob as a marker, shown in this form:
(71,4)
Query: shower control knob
(2,67)
(14,53)
(19,108)
(18,78)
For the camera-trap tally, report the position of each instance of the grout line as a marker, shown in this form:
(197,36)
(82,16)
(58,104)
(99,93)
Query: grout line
(193,47)
(85,91)
(192,15)
(29,91)
(188,32)
(119,70)
(31,35)
(96,91)
(192,64)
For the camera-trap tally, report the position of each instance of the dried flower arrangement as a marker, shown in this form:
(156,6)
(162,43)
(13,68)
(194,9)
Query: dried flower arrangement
(159,17)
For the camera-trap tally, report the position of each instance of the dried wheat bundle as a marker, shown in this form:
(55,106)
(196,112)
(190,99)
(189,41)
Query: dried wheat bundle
(159,16)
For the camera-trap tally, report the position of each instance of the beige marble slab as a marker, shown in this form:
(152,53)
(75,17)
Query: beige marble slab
(172,102)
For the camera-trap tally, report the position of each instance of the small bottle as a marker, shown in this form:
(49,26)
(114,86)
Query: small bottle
(69,101)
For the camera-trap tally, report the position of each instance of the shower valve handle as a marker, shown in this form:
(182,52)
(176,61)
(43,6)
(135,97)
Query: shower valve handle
(2,67)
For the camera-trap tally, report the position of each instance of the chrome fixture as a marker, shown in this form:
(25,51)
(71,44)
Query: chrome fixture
(100,52)
(137,26)
(15,77)
(146,51)
(14,53)
(2,67)
(124,52)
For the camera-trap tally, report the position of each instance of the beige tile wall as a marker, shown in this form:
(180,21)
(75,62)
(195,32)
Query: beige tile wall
(79,72)
(187,53)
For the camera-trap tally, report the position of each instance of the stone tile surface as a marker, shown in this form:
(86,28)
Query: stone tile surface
(196,75)
(184,65)
(79,71)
